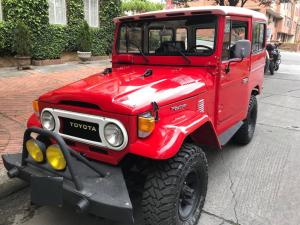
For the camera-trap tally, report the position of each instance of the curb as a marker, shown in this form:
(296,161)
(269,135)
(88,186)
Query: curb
(9,186)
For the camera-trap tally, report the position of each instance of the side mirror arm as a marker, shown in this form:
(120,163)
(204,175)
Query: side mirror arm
(227,68)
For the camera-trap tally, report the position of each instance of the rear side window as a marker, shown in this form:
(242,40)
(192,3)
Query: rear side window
(258,37)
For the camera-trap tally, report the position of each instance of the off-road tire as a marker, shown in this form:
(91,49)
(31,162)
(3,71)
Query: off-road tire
(164,195)
(271,67)
(245,134)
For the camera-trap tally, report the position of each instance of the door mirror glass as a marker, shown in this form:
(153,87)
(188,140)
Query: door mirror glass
(242,49)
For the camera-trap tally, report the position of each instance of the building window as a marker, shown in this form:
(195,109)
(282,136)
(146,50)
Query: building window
(91,12)
(1,17)
(57,12)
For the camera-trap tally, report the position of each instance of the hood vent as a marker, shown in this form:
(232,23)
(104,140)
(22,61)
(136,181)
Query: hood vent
(80,104)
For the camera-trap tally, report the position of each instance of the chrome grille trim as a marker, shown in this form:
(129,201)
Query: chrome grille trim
(101,121)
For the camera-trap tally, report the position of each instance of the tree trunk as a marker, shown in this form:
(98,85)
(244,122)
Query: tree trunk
(233,2)
(243,3)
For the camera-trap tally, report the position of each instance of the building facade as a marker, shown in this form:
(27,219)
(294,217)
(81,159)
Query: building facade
(54,25)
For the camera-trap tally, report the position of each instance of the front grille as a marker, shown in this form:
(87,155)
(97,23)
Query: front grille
(85,128)
(80,129)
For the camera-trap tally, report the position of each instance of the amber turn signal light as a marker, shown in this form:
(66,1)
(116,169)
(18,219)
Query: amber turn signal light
(35,106)
(146,124)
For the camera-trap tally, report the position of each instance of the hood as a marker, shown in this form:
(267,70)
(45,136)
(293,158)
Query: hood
(127,91)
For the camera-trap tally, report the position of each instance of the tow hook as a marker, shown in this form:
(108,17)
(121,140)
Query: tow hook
(12,173)
(82,206)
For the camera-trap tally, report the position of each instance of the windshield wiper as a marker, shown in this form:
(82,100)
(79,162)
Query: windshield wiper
(179,51)
(140,50)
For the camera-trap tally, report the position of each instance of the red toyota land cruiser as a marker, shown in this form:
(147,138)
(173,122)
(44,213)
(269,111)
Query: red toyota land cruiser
(180,80)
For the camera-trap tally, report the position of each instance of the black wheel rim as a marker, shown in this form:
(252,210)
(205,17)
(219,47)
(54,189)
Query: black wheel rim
(189,195)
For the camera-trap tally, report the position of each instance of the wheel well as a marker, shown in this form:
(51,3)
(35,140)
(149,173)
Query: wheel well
(205,135)
(255,91)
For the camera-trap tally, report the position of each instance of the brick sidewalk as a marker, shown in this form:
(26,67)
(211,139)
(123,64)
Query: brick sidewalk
(19,88)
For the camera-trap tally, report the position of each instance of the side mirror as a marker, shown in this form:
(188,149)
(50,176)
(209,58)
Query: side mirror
(242,49)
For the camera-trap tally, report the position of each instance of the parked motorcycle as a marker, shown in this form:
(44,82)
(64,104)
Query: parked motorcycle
(274,57)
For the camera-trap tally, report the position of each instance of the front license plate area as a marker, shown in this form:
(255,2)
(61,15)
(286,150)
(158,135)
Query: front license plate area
(47,190)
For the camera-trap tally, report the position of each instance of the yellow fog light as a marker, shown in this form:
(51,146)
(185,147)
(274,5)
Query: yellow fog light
(146,124)
(55,157)
(35,150)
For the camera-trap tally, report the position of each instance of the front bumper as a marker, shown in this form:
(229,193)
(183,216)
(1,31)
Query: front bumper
(102,193)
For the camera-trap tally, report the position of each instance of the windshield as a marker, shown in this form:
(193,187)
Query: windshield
(187,36)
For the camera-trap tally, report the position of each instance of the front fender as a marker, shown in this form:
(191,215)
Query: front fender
(34,121)
(167,139)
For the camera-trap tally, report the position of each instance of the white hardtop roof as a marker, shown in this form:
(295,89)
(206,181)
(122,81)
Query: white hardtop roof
(220,10)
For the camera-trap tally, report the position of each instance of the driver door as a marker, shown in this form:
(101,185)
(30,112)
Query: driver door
(233,91)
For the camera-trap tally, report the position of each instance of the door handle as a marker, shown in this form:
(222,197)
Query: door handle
(245,80)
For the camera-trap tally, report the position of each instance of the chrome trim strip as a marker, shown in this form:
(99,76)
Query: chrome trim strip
(101,121)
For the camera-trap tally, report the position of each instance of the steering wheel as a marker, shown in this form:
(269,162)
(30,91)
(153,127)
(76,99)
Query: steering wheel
(203,46)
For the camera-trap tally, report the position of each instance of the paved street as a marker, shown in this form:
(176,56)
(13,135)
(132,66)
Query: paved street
(19,88)
(254,185)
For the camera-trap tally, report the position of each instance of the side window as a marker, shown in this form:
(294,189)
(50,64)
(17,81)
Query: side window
(181,35)
(258,37)
(57,12)
(234,31)
(238,31)
(226,41)
(1,17)
(130,39)
(91,12)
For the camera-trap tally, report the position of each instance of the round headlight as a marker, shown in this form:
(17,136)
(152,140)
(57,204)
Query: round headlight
(35,150)
(113,135)
(55,157)
(48,121)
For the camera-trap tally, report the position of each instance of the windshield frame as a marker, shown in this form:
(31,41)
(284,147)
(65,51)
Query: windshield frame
(145,36)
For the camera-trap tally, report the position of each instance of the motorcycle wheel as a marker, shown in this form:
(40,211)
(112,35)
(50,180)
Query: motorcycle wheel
(271,67)
(276,67)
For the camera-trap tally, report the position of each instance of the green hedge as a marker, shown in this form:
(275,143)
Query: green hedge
(49,41)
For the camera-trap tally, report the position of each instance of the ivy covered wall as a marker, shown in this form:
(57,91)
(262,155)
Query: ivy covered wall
(48,40)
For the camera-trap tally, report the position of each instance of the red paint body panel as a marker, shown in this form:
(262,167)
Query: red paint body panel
(126,93)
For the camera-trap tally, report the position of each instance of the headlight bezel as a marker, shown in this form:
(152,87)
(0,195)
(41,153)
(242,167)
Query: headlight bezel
(42,120)
(120,143)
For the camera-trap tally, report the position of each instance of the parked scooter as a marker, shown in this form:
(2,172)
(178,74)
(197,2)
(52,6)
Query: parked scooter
(274,57)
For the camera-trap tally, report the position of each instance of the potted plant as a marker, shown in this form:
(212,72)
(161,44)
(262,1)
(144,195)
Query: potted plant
(84,43)
(22,46)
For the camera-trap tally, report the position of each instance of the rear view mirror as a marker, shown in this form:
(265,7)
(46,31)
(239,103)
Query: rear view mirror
(242,49)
